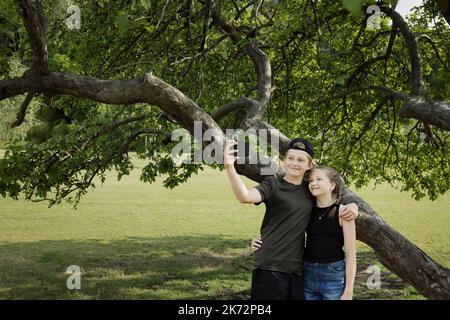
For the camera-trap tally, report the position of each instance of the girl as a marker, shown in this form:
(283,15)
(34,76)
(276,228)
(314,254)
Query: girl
(327,275)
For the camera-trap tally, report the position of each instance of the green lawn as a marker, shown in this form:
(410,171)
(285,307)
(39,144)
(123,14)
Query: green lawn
(139,241)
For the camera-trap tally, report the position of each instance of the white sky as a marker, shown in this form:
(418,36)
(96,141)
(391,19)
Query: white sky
(405,6)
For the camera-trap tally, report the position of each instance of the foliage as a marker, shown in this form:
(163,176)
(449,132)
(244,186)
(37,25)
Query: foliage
(314,49)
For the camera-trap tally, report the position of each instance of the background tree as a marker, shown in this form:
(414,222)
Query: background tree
(374,102)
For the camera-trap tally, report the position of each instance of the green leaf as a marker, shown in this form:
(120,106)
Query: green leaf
(146,4)
(122,22)
(149,28)
(354,6)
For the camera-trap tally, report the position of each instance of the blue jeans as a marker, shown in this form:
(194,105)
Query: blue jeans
(324,281)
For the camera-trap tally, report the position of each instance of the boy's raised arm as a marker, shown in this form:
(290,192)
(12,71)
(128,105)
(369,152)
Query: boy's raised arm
(240,190)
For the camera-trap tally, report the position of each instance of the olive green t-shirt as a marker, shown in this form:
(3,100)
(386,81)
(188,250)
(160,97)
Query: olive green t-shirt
(288,209)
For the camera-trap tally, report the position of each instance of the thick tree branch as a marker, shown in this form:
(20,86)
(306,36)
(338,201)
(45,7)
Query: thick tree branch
(411,43)
(260,61)
(16,86)
(148,89)
(264,76)
(33,19)
(436,113)
(241,103)
(283,141)
(406,260)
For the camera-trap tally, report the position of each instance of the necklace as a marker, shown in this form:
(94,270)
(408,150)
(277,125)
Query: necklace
(325,212)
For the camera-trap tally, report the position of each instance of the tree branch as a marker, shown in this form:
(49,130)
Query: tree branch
(111,127)
(33,19)
(411,43)
(387,91)
(260,61)
(407,260)
(148,89)
(23,110)
(83,145)
(436,51)
(139,132)
(264,76)
(362,67)
(436,113)
(282,139)
(241,103)
(444,7)
(363,131)
(16,86)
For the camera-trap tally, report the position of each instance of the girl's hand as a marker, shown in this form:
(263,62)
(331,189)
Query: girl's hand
(256,244)
(347,295)
(229,155)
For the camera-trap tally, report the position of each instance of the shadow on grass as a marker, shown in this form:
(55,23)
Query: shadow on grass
(181,267)
(178,267)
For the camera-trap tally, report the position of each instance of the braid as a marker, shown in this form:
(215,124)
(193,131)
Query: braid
(338,197)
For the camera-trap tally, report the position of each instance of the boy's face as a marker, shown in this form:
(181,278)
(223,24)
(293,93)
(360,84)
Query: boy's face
(319,183)
(296,162)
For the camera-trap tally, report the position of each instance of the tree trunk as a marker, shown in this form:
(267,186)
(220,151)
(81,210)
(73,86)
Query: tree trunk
(398,254)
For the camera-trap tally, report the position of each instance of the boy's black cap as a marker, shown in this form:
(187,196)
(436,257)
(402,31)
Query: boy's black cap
(302,144)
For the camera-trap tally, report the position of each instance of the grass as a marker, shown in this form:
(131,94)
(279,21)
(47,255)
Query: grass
(138,241)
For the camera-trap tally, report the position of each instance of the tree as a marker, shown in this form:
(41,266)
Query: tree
(374,102)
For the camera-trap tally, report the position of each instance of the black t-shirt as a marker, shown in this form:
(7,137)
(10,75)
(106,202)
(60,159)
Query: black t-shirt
(324,236)
(288,209)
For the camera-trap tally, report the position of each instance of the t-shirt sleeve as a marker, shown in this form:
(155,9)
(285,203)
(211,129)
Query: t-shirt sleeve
(265,189)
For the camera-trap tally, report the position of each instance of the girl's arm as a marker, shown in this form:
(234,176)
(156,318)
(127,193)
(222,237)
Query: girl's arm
(256,243)
(348,227)
(240,190)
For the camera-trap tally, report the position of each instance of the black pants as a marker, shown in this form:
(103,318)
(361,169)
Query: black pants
(273,285)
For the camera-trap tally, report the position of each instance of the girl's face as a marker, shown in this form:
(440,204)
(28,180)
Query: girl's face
(296,162)
(319,183)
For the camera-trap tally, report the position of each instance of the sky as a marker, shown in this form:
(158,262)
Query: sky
(405,6)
